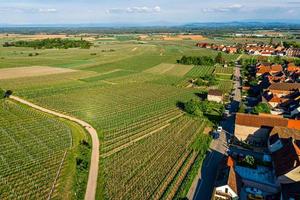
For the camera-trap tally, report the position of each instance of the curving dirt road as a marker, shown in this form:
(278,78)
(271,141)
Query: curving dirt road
(93,173)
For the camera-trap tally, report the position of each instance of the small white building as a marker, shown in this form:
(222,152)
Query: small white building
(230,189)
(215,95)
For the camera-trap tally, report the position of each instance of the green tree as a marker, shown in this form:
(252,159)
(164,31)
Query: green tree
(192,108)
(249,160)
(2,93)
(219,58)
(242,108)
(261,108)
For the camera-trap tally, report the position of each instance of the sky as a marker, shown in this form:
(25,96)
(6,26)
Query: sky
(145,11)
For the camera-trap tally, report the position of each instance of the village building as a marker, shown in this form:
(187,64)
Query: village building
(229,183)
(256,128)
(282,89)
(215,95)
(293,52)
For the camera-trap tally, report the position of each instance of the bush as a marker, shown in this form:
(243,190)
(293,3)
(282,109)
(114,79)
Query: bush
(261,108)
(2,93)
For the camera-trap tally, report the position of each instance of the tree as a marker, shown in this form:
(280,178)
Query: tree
(219,58)
(261,108)
(2,93)
(249,160)
(192,108)
(242,108)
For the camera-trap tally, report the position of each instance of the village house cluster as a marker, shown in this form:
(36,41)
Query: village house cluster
(263,161)
(280,88)
(275,170)
(254,49)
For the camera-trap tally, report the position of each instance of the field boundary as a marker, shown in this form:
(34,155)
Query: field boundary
(94,165)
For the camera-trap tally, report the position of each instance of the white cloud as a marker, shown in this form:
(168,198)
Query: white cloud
(47,10)
(230,8)
(135,9)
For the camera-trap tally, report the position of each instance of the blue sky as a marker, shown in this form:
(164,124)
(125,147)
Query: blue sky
(144,11)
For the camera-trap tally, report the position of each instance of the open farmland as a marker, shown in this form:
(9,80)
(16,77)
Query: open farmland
(32,149)
(11,73)
(146,141)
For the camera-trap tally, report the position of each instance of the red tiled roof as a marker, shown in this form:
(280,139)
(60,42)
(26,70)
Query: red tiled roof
(260,120)
(234,181)
(294,124)
(276,99)
(284,86)
(215,92)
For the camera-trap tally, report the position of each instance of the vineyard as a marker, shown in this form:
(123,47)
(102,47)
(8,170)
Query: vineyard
(199,71)
(145,169)
(147,142)
(32,151)
(223,70)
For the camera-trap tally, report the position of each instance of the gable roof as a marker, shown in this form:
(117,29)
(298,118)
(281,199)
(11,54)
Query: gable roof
(260,120)
(215,92)
(287,158)
(234,181)
(284,86)
(283,133)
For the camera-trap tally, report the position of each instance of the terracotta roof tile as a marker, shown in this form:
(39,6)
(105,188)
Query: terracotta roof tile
(234,181)
(284,86)
(260,120)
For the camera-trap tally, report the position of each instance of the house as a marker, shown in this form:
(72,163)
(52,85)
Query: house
(215,95)
(284,145)
(282,89)
(229,183)
(256,128)
(279,136)
(287,161)
(262,69)
(231,50)
(292,68)
(293,52)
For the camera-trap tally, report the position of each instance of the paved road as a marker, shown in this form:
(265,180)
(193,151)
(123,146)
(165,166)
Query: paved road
(217,151)
(93,173)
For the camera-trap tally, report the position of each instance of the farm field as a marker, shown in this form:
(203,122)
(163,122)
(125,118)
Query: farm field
(147,142)
(33,146)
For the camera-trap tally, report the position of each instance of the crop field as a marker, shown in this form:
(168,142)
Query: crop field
(31,151)
(11,73)
(223,70)
(170,69)
(198,71)
(128,92)
(225,86)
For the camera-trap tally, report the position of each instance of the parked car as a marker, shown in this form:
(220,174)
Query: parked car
(226,113)
(219,129)
(252,190)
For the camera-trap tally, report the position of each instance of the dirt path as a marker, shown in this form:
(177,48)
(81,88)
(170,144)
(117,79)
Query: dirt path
(93,173)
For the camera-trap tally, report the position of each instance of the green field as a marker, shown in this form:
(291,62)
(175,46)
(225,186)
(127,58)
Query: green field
(32,149)
(129,93)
